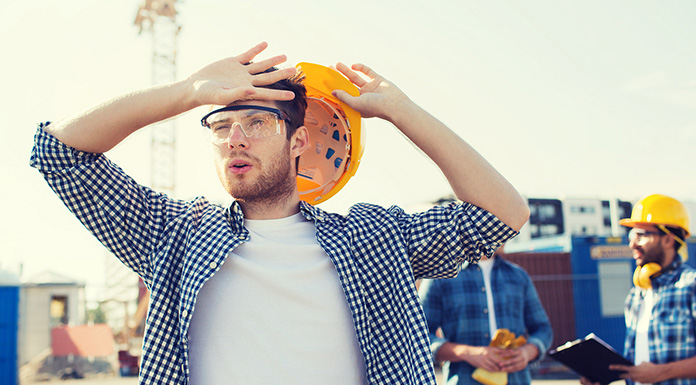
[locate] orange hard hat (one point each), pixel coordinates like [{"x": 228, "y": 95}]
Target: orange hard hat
[{"x": 336, "y": 141}]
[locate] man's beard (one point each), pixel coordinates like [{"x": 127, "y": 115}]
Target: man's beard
[
  {"x": 655, "y": 254},
  {"x": 273, "y": 186}
]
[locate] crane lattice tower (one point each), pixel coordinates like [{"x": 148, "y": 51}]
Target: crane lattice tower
[{"x": 158, "y": 17}]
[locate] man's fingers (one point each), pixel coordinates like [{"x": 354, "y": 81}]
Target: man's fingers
[
  {"x": 227, "y": 96},
  {"x": 256, "y": 68},
  {"x": 273, "y": 76},
  {"x": 269, "y": 94},
  {"x": 343, "y": 96},
  {"x": 623, "y": 368},
  {"x": 351, "y": 75},
  {"x": 249, "y": 55},
  {"x": 365, "y": 69}
]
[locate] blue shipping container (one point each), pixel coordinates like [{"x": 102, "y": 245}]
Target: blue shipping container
[
  {"x": 9, "y": 318},
  {"x": 602, "y": 269}
]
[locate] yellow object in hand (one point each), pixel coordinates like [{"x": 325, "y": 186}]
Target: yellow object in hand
[{"x": 503, "y": 339}]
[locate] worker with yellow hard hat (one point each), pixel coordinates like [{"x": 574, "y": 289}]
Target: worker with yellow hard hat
[
  {"x": 660, "y": 309},
  {"x": 662, "y": 218}
]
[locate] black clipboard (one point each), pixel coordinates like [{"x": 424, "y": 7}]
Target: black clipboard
[{"x": 590, "y": 357}]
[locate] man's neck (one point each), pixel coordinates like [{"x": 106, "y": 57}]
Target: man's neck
[
  {"x": 270, "y": 209},
  {"x": 670, "y": 255}
]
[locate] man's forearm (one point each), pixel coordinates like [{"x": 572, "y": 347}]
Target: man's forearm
[
  {"x": 450, "y": 351},
  {"x": 472, "y": 178},
  {"x": 104, "y": 126},
  {"x": 679, "y": 369}
]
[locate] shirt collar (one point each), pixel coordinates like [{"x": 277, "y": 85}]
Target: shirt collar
[
  {"x": 312, "y": 213},
  {"x": 668, "y": 273},
  {"x": 235, "y": 216}
]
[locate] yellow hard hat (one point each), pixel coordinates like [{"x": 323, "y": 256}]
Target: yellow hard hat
[
  {"x": 336, "y": 142},
  {"x": 659, "y": 209}
]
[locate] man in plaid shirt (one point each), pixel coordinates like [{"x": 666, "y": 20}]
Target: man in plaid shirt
[
  {"x": 661, "y": 308},
  {"x": 468, "y": 310},
  {"x": 271, "y": 289}
]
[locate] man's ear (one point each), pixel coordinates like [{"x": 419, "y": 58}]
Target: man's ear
[
  {"x": 669, "y": 240},
  {"x": 668, "y": 246},
  {"x": 299, "y": 142}
]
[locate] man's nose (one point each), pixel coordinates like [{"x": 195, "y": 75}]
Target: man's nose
[
  {"x": 633, "y": 243},
  {"x": 237, "y": 138}
]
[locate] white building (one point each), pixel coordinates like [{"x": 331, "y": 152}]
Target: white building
[
  {"x": 46, "y": 301},
  {"x": 552, "y": 222}
]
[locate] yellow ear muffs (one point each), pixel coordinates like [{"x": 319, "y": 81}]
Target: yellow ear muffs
[{"x": 642, "y": 274}]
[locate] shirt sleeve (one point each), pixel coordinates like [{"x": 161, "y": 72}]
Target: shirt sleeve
[
  {"x": 431, "y": 300},
  {"x": 536, "y": 320},
  {"x": 443, "y": 237},
  {"x": 125, "y": 217}
]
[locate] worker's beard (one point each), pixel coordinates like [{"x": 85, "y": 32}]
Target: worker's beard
[
  {"x": 274, "y": 186},
  {"x": 654, "y": 254}
]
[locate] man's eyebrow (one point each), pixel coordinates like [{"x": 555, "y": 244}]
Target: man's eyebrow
[
  {"x": 240, "y": 113},
  {"x": 254, "y": 111},
  {"x": 221, "y": 118}
]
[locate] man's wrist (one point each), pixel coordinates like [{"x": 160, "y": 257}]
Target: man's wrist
[
  {"x": 187, "y": 89},
  {"x": 401, "y": 111},
  {"x": 531, "y": 352}
]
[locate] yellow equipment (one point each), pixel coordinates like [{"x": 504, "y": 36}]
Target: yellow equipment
[
  {"x": 658, "y": 210},
  {"x": 503, "y": 339}
]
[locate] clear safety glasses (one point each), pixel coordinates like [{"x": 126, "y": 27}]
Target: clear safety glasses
[
  {"x": 640, "y": 236},
  {"x": 254, "y": 121}
]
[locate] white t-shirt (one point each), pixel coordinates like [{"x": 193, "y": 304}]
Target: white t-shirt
[
  {"x": 275, "y": 313},
  {"x": 486, "y": 268},
  {"x": 642, "y": 353}
]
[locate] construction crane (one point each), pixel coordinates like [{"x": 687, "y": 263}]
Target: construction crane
[{"x": 158, "y": 17}]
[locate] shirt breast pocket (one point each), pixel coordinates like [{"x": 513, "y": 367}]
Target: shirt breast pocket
[
  {"x": 673, "y": 325},
  {"x": 513, "y": 300},
  {"x": 674, "y": 316}
]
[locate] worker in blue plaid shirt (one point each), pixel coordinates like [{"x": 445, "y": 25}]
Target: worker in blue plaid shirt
[
  {"x": 467, "y": 310},
  {"x": 272, "y": 290},
  {"x": 661, "y": 307}
]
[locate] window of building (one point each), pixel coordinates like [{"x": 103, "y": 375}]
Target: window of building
[
  {"x": 606, "y": 213},
  {"x": 614, "y": 283},
  {"x": 59, "y": 310},
  {"x": 547, "y": 212},
  {"x": 582, "y": 209}
]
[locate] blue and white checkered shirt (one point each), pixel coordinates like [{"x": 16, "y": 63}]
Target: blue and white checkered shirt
[
  {"x": 672, "y": 330},
  {"x": 175, "y": 246}
]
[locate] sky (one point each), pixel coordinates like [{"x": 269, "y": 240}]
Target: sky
[{"x": 589, "y": 99}]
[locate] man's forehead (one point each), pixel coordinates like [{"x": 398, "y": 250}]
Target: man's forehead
[
  {"x": 252, "y": 103},
  {"x": 263, "y": 103},
  {"x": 642, "y": 227},
  {"x": 240, "y": 111}
]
